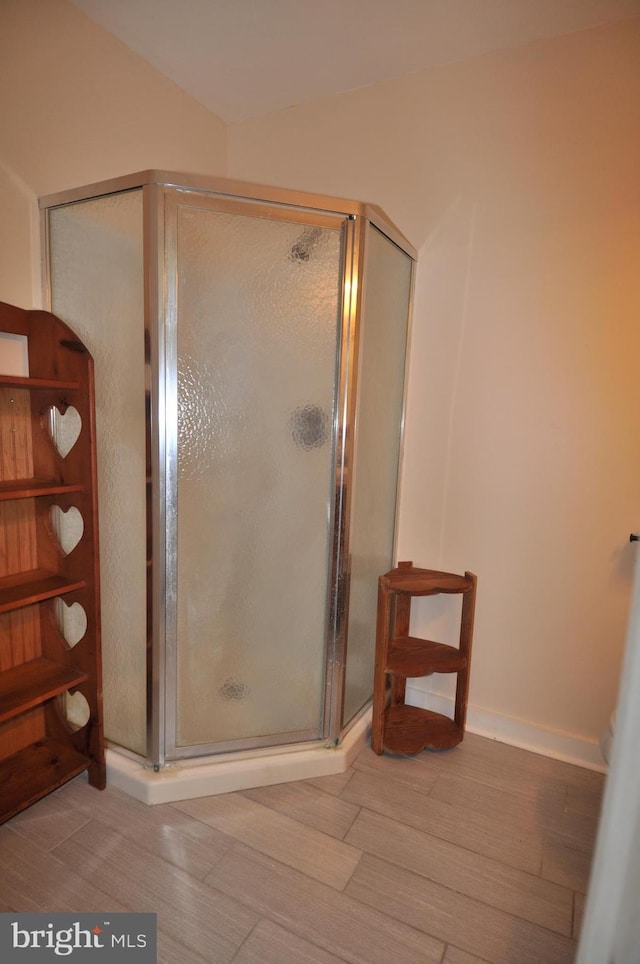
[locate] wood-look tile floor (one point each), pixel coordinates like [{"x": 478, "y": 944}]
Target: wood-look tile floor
[{"x": 477, "y": 854}]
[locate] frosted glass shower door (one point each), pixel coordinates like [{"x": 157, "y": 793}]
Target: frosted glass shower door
[
  {"x": 385, "y": 317},
  {"x": 257, "y": 295},
  {"x": 92, "y": 243}
]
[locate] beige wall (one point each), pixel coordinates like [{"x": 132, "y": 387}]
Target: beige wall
[
  {"x": 78, "y": 106},
  {"x": 517, "y": 177}
]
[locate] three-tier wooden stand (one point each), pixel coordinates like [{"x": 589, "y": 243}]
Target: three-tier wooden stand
[
  {"x": 399, "y": 656},
  {"x": 45, "y": 737}
]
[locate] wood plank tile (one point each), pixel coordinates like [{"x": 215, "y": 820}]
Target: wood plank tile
[
  {"x": 455, "y": 956},
  {"x": 489, "y": 881},
  {"x": 586, "y": 801},
  {"x": 421, "y": 815},
  {"x": 406, "y": 770},
  {"x": 171, "y": 951},
  {"x": 51, "y": 820},
  {"x": 578, "y": 914},
  {"x": 35, "y": 880},
  {"x": 461, "y": 826},
  {"x": 307, "y": 805},
  {"x": 316, "y": 854},
  {"x": 270, "y": 944},
  {"x": 334, "y": 783},
  {"x": 311, "y": 910},
  {"x": 209, "y": 923},
  {"x": 525, "y": 762},
  {"x": 469, "y": 924},
  {"x": 500, "y": 765},
  {"x": 565, "y": 866},
  {"x": 537, "y": 810},
  {"x": 534, "y": 809},
  {"x": 504, "y": 767},
  {"x": 575, "y": 830},
  {"x": 162, "y": 830}
]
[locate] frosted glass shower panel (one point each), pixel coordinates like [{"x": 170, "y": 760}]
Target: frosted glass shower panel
[
  {"x": 97, "y": 286},
  {"x": 388, "y": 273},
  {"x": 258, "y": 303}
]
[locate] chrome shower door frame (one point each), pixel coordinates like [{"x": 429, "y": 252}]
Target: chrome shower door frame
[{"x": 162, "y": 337}]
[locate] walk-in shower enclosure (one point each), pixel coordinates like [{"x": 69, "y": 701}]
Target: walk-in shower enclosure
[{"x": 250, "y": 349}]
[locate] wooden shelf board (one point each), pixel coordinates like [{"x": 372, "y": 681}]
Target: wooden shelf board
[
  {"x": 34, "y": 682},
  {"x": 409, "y": 656},
  {"x": 26, "y": 588},
  {"x": 426, "y": 582},
  {"x": 18, "y": 381},
  {"x": 31, "y": 773},
  {"x": 410, "y": 729},
  {"x": 32, "y": 488}
]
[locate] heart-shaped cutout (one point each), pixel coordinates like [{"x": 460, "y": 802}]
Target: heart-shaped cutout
[
  {"x": 75, "y": 710},
  {"x": 72, "y": 621},
  {"x": 68, "y": 527},
  {"x": 64, "y": 428}
]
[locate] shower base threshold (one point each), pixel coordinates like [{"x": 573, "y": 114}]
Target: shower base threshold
[{"x": 207, "y": 776}]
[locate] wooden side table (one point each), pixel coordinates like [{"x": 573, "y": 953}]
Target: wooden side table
[{"x": 399, "y": 656}]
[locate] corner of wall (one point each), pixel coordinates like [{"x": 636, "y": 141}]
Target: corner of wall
[{"x": 19, "y": 242}]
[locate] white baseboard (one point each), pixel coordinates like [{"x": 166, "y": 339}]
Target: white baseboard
[
  {"x": 206, "y": 776},
  {"x": 507, "y": 729}
]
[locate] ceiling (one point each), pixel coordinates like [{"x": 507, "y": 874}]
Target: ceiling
[{"x": 242, "y": 58}]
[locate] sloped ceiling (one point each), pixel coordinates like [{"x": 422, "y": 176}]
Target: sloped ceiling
[{"x": 242, "y": 58}]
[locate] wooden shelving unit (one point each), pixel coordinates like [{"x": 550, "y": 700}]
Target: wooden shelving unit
[
  {"x": 395, "y": 725},
  {"x": 42, "y": 745}
]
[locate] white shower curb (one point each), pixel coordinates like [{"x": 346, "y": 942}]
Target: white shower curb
[{"x": 207, "y": 776}]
